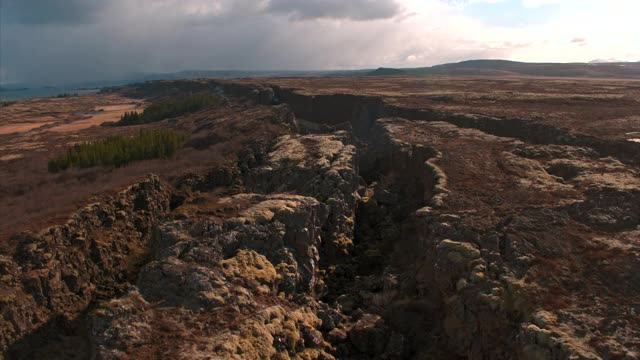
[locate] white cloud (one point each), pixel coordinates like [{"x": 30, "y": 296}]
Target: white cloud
[{"x": 539, "y": 3}]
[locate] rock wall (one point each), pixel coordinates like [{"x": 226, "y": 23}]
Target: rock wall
[
  {"x": 58, "y": 272},
  {"x": 219, "y": 286},
  {"x": 524, "y": 129}
]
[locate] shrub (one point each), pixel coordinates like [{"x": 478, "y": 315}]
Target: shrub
[
  {"x": 66, "y": 95},
  {"x": 118, "y": 151},
  {"x": 110, "y": 89},
  {"x": 168, "y": 109}
]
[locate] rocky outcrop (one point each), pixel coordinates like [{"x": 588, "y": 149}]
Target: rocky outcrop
[
  {"x": 233, "y": 273},
  {"x": 59, "y": 271},
  {"x": 609, "y": 209},
  {"x": 285, "y": 228},
  {"x": 479, "y": 306},
  {"x": 322, "y": 166},
  {"x": 612, "y": 198},
  {"x": 498, "y": 288},
  {"x": 524, "y": 129},
  {"x": 245, "y": 266}
]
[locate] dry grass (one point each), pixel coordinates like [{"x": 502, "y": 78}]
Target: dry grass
[
  {"x": 599, "y": 107},
  {"x": 31, "y": 198},
  {"x": 110, "y": 113},
  {"x": 22, "y": 127}
]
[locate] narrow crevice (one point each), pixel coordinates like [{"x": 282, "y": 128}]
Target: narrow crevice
[{"x": 362, "y": 112}]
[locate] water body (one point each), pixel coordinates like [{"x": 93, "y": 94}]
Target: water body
[
  {"x": 24, "y": 91},
  {"x": 39, "y": 92}
]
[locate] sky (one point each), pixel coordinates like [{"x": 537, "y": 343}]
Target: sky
[{"x": 58, "y": 41}]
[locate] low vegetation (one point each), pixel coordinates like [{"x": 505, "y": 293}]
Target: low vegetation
[
  {"x": 66, "y": 95},
  {"x": 170, "y": 108},
  {"x": 117, "y": 151},
  {"x": 110, "y": 89}
]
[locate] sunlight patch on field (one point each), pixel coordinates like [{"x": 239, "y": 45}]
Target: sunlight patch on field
[
  {"x": 100, "y": 115},
  {"x": 21, "y": 127},
  {"x": 11, "y": 157}
]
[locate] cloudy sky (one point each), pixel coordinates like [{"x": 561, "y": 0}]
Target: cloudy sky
[{"x": 54, "y": 41}]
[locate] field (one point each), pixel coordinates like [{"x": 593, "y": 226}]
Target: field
[
  {"x": 34, "y": 131},
  {"x": 605, "y": 108}
]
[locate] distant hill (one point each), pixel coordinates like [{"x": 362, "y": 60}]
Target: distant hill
[
  {"x": 387, "y": 71},
  {"x": 514, "y": 68},
  {"x": 596, "y": 69},
  {"x": 197, "y": 74}
]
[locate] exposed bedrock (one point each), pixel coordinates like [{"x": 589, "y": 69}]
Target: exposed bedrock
[
  {"x": 54, "y": 275},
  {"x": 221, "y": 286},
  {"x": 526, "y": 130},
  {"x": 359, "y": 112},
  {"x": 338, "y": 110},
  {"x": 245, "y": 268},
  {"x": 322, "y": 166},
  {"x": 503, "y": 285}
]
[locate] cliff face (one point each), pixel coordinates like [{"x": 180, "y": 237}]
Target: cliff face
[
  {"x": 354, "y": 236},
  {"x": 58, "y": 272},
  {"x": 218, "y": 285},
  {"x": 245, "y": 267}
]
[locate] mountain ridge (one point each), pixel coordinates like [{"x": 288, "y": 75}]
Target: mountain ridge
[{"x": 488, "y": 67}]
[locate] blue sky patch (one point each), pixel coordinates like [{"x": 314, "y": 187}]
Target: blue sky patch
[{"x": 510, "y": 13}]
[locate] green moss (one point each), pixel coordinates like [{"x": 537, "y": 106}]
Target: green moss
[
  {"x": 373, "y": 253},
  {"x": 343, "y": 243},
  {"x": 254, "y": 268}
]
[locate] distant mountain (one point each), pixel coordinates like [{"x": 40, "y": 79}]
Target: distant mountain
[
  {"x": 196, "y": 74},
  {"x": 514, "y": 68}
]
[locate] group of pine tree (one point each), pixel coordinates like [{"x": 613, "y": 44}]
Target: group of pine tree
[
  {"x": 117, "y": 151},
  {"x": 66, "y": 95},
  {"x": 170, "y": 108}
]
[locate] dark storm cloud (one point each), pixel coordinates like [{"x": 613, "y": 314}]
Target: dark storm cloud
[
  {"x": 55, "y": 41},
  {"x": 336, "y": 9},
  {"x": 39, "y": 12}
]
